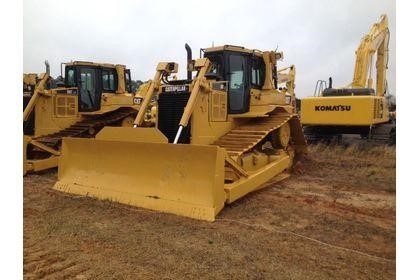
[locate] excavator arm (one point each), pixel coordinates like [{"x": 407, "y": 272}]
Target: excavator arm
[{"x": 376, "y": 41}]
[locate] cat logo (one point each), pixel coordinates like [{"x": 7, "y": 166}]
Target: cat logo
[{"x": 137, "y": 100}]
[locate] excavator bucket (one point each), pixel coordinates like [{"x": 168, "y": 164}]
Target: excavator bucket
[{"x": 118, "y": 165}]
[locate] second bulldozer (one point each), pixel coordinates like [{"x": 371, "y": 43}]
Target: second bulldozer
[
  {"x": 218, "y": 136},
  {"x": 90, "y": 96}
]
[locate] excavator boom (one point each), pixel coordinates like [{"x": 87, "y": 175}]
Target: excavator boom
[{"x": 376, "y": 41}]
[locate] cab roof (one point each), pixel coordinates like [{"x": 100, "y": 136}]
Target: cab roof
[
  {"x": 233, "y": 49},
  {"x": 89, "y": 63}
]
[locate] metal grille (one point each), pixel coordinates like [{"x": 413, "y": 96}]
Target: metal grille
[
  {"x": 218, "y": 106},
  {"x": 376, "y": 109},
  {"x": 171, "y": 108},
  {"x": 65, "y": 105}
]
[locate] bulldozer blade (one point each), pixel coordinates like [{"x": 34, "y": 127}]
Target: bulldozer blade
[{"x": 186, "y": 180}]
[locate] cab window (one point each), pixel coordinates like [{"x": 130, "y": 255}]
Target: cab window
[
  {"x": 70, "y": 79},
  {"x": 127, "y": 77},
  {"x": 257, "y": 72},
  {"x": 238, "y": 99},
  {"x": 216, "y": 69},
  {"x": 216, "y": 64},
  {"x": 237, "y": 69},
  {"x": 109, "y": 80}
]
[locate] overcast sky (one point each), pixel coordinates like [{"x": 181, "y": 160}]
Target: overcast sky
[{"x": 318, "y": 37}]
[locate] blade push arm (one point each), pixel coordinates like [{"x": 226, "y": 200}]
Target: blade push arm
[
  {"x": 203, "y": 65},
  {"x": 162, "y": 68},
  {"x": 38, "y": 89}
]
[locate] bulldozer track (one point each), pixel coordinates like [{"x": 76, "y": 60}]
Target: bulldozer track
[
  {"x": 85, "y": 128},
  {"x": 245, "y": 137}
]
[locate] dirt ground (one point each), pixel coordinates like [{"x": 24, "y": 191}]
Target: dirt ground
[{"x": 334, "y": 218}]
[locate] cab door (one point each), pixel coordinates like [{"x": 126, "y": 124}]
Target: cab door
[
  {"x": 89, "y": 88},
  {"x": 239, "y": 90}
]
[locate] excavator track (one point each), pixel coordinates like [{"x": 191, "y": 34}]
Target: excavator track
[
  {"x": 244, "y": 138},
  {"x": 85, "y": 128},
  {"x": 314, "y": 136},
  {"x": 381, "y": 134},
  {"x": 384, "y": 134}
]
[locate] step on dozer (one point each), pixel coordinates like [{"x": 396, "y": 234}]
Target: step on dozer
[{"x": 217, "y": 137}]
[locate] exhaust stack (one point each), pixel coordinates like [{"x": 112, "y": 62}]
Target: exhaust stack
[{"x": 189, "y": 59}]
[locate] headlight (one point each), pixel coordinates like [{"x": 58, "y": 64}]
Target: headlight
[{"x": 288, "y": 98}]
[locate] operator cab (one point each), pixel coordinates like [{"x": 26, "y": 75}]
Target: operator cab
[
  {"x": 242, "y": 68},
  {"x": 92, "y": 80}
]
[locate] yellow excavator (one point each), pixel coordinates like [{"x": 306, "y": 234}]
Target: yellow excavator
[
  {"x": 91, "y": 96},
  {"x": 357, "y": 108},
  {"x": 218, "y": 136}
]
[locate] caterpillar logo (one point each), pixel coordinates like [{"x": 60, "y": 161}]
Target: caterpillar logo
[
  {"x": 333, "y": 108},
  {"x": 137, "y": 100}
]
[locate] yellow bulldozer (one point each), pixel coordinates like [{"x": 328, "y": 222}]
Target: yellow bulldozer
[
  {"x": 218, "y": 136},
  {"x": 357, "y": 108},
  {"x": 91, "y": 96}
]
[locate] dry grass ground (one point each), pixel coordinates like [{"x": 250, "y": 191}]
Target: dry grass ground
[{"x": 334, "y": 218}]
